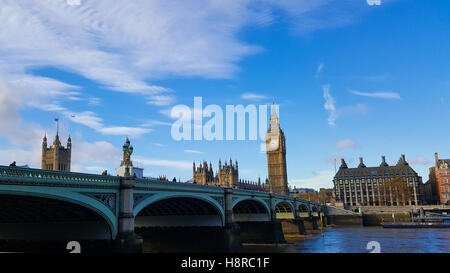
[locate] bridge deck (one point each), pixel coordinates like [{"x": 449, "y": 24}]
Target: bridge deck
[{"x": 18, "y": 175}]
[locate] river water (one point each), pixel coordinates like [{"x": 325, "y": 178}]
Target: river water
[
  {"x": 332, "y": 240},
  {"x": 356, "y": 239}
]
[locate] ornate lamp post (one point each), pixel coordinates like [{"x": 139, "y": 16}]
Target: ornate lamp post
[{"x": 127, "y": 151}]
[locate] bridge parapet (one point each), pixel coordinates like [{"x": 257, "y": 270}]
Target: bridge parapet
[
  {"x": 38, "y": 175},
  {"x": 154, "y": 184}
]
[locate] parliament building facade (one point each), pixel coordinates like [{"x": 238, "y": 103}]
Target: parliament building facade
[{"x": 56, "y": 157}]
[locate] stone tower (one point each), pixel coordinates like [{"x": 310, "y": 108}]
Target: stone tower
[
  {"x": 276, "y": 156},
  {"x": 203, "y": 174},
  {"x": 56, "y": 157},
  {"x": 228, "y": 174}
]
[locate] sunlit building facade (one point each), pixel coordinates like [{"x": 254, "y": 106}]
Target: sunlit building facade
[{"x": 362, "y": 186}]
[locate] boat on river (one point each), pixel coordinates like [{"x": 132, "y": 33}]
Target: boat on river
[{"x": 416, "y": 225}]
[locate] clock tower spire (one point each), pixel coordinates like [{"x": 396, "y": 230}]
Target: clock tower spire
[{"x": 276, "y": 156}]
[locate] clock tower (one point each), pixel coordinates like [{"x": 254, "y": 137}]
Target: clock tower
[{"x": 276, "y": 156}]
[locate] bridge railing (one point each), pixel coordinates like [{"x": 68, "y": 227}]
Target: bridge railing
[
  {"x": 18, "y": 173},
  {"x": 153, "y": 182}
]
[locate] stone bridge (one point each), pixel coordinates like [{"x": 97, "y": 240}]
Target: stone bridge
[{"x": 54, "y": 205}]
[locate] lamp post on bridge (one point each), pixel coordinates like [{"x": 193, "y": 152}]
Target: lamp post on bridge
[
  {"x": 128, "y": 240},
  {"x": 127, "y": 152}
]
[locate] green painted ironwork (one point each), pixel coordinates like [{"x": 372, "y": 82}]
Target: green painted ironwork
[{"x": 14, "y": 173}]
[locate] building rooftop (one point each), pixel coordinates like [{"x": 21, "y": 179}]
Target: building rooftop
[{"x": 402, "y": 167}]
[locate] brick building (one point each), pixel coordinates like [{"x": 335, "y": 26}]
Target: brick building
[{"x": 442, "y": 173}]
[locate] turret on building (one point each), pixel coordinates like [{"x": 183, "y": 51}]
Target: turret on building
[{"x": 56, "y": 157}]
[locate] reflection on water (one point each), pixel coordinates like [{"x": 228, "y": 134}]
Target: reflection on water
[{"x": 354, "y": 240}]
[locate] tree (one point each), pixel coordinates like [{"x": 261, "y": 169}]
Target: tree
[
  {"x": 324, "y": 196},
  {"x": 310, "y": 196},
  {"x": 394, "y": 190}
]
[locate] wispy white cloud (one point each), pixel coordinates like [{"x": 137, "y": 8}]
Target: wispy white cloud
[
  {"x": 345, "y": 143},
  {"x": 17, "y": 131},
  {"x": 94, "y": 101},
  {"x": 150, "y": 123},
  {"x": 380, "y": 95},
  {"x": 161, "y": 100},
  {"x": 91, "y": 120},
  {"x": 335, "y": 113},
  {"x": 193, "y": 152},
  {"x": 114, "y": 44},
  {"x": 253, "y": 96},
  {"x": 96, "y": 152},
  {"x": 329, "y": 105},
  {"x": 319, "y": 68},
  {"x": 124, "y": 131}
]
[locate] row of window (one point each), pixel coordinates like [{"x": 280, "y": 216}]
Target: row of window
[
  {"x": 376, "y": 176},
  {"x": 368, "y": 180}
]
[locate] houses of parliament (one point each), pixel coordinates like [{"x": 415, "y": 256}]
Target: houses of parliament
[
  {"x": 57, "y": 157},
  {"x": 228, "y": 174}
]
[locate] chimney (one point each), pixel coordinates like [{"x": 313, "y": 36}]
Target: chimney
[
  {"x": 403, "y": 157},
  {"x": 361, "y": 163},
  {"x": 383, "y": 162},
  {"x": 436, "y": 158},
  {"x": 343, "y": 164}
]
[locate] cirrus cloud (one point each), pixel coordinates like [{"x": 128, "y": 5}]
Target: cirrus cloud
[
  {"x": 345, "y": 143},
  {"x": 380, "y": 95}
]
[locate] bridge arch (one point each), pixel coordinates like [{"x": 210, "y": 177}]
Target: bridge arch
[
  {"x": 303, "y": 208},
  {"x": 63, "y": 200},
  {"x": 172, "y": 210},
  {"x": 284, "y": 210},
  {"x": 250, "y": 210}
]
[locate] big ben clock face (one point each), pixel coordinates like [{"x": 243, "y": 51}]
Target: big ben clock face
[{"x": 272, "y": 144}]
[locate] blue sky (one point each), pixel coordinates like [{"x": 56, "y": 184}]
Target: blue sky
[{"x": 351, "y": 80}]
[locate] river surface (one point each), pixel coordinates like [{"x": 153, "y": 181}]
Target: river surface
[
  {"x": 356, "y": 239},
  {"x": 332, "y": 240}
]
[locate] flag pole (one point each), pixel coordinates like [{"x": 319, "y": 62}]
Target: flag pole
[{"x": 57, "y": 126}]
